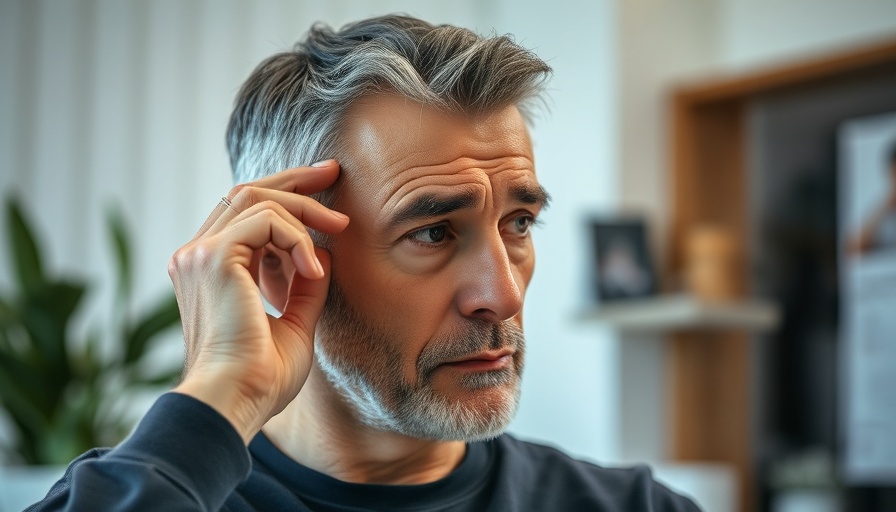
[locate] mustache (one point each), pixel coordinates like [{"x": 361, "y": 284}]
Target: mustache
[{"x": 473, "y": 338}]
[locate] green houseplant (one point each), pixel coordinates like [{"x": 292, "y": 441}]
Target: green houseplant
[{"x": 58, "y": 393}]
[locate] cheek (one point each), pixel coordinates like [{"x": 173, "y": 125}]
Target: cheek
[
  {"x": 523, "y": 260},
  {"x": 412, "y": 307},
  {"x": 391, "y": 288},
  {"x": 409, "y": 309}
]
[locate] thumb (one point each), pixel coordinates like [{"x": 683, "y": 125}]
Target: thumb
[{"x": 307, "y": 296}]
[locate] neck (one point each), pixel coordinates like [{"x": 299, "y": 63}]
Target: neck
[{"x": 320, "y": 430}]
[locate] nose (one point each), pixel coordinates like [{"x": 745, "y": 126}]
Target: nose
[{"x": 492, "y": 286}]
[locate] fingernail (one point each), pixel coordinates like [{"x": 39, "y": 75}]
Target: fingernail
[
  {"x": 324, "y": 163},
  {"x": 338, "y": 215}
]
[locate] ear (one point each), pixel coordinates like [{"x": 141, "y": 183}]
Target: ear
[{"x": 275, "y": 272}]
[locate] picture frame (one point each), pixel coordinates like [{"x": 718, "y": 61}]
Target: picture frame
[{"x": 622, "y": 261}]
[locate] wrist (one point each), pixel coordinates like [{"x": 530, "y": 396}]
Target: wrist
[{"x": 242, "y": 413}]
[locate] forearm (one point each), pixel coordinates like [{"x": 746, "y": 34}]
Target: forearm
[{"x": 182, "y": 456}]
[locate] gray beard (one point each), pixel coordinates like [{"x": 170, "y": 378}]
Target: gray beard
[{"x": 362, "y": 365}]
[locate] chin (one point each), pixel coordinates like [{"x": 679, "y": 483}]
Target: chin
[{"x": 462, "y": 415}]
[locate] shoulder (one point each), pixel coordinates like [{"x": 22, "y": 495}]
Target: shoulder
[
  {"x": 182, "y": 455},
  {"x": 554, "y": 477}
]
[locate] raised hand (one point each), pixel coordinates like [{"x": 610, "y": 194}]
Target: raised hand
[{"x": 247, "y": 364}]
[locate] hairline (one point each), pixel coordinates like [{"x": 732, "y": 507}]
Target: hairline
[{"x": 265, "y": 137}]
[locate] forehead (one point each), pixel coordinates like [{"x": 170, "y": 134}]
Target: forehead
[{"x": 395, "y": 146}]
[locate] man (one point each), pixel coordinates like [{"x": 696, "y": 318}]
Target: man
[
  {"x": 879, "y": 229},
  {"x": 396, "y": 397}
]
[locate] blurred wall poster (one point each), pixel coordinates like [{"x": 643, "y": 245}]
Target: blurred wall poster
[{"x": 867, "y": 230}]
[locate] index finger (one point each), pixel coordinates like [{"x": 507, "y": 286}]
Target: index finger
[{"x": 302, "y": 180}]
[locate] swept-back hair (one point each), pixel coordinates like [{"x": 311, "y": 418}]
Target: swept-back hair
[{"x": 289, "y": 111}]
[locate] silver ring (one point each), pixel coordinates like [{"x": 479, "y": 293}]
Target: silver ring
[{"x": 226, "y": 202}]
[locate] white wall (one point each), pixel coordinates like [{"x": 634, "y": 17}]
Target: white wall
[{"x": 762, "y": 32}]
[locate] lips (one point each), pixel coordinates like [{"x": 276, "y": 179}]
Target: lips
[{"x": 483, "y": 361}]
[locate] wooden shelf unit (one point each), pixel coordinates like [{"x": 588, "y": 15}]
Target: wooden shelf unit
[{"x": 710, "y": 370}]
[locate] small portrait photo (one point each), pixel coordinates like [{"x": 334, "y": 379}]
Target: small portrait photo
[{"x": 623, "y": 267}]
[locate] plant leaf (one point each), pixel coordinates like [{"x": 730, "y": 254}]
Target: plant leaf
[
  {"x": 23, "y": 247},
  {"x": 9, "y": 318},
  {"x": 72, "y": 431},
  {"x": 122, "y": 249},
  {"x": 45, "y": 314},
  {"x": 164, "y": 315},
  {"x": 19, "y": 394}
]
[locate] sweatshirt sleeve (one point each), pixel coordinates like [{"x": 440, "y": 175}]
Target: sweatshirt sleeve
[{"x": 183, "y": 455}]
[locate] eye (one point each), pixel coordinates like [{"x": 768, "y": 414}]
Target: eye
[
  {"x": 521, "y": 225},
  {"x": 432, "y": 235}
]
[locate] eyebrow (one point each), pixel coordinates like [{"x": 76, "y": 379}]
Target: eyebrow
[
  {"x": 529, "y": 194},
  {"x": 432, "y": 205}
]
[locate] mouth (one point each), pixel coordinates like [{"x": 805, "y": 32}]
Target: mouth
[{"x": 488, "y": 361}]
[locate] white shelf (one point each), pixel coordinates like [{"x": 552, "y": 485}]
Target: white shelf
[{"x": 684, "y": 312}]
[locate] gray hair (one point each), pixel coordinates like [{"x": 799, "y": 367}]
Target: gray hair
[{"x": 289, "y": 111}]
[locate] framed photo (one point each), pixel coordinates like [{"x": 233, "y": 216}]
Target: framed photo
[{"x": 623, "y": 267}]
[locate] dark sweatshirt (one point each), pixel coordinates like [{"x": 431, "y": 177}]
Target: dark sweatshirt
[{"x": 185, "y": 456}]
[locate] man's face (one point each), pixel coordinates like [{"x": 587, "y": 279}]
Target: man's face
[{"x": 422, "y": 332}]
